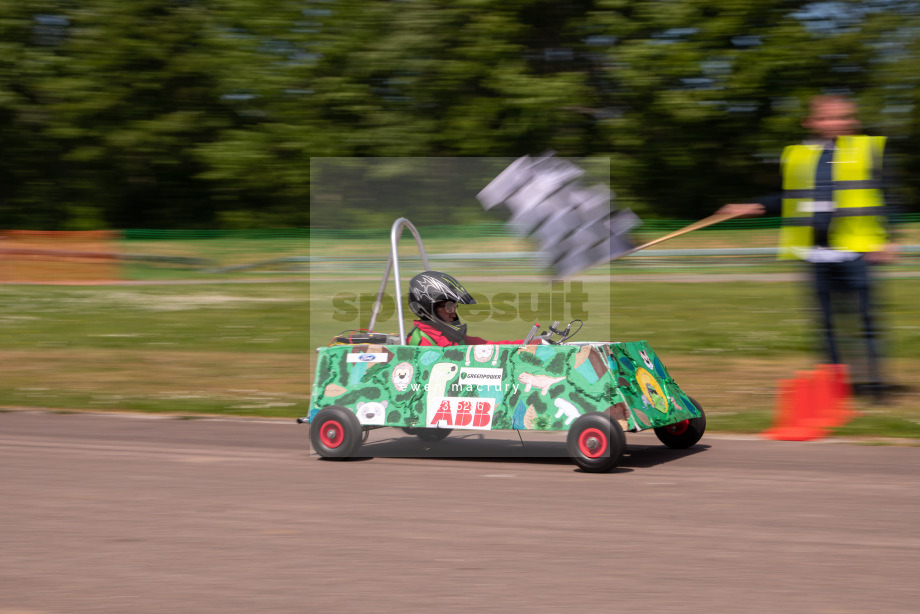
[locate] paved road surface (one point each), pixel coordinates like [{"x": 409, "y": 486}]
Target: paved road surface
[{"x": 134, "y": 514}]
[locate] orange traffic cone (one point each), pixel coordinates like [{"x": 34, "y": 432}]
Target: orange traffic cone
[{"x": 800, "y": 411}]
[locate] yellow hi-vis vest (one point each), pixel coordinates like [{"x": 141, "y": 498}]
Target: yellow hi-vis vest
[{"x": 857, "y": 224}]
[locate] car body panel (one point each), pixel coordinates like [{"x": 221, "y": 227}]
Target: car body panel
[{"x": 492, "y": 387}]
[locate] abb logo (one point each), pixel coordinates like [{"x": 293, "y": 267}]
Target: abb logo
[{"x": 461, "y": 413}]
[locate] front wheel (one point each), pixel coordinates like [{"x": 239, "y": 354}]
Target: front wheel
[
  {"x": 596, "y": 442},
  {"x": 683, "y": 434},
  {"x": 335, "y": 432}
]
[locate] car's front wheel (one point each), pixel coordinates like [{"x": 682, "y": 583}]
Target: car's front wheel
[{"x": 683, "y": 434}]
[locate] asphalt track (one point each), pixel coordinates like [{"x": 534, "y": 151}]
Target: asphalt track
[{"x": 136, "y": 514}]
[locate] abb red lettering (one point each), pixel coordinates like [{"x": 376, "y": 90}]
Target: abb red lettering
[
  {"x": 460, "y": 412},
  {"x": 464, "y": 413}
]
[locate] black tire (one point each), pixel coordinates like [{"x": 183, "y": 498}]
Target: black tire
[
  {"x": 596, "y": 442},
  {"x": 335, "y": 432},
  {"x": 684, "y": 434},
  {"x": 427, "y": 434}
]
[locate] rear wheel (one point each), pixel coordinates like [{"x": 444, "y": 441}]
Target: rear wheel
[
  {"x": 596, "y": 442},
  {"x": 683, "y": 434},
  {"x": 335, "y": 432}
]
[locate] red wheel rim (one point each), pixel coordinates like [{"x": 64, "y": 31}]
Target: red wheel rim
[
  {"x": 331, "y": 433},
  {"x": 592, "y": 442},
  {"x": 678, "y": 428}
]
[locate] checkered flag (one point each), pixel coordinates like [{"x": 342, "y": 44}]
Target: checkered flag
[{"x": 573, "y": 224}]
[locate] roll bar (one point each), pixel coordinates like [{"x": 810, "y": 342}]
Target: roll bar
[{"x": 393, "y": 265}]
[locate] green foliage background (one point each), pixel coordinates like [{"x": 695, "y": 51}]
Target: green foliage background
[{"x": 206, "y": 113}]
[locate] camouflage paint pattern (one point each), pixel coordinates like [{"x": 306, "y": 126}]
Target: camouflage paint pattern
[{"x": 535, "y": 387}]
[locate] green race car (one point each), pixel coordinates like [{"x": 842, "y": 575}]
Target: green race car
[{"x": 597, "y": 391}]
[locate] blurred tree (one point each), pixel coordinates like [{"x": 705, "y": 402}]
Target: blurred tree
[
  {"x": 204, "y": 113},
  {"x": 260, "y": 165},
  {"x": 435, "y": 78},
  {"x": 892, "y": 102},
  {"x": 693, "y": 102},
  {"x": 703, "y": 97},
  {"x": 30, "y": 37},
  {"x": 137, "y": 94},
  {"x": 117, "y": 96}
]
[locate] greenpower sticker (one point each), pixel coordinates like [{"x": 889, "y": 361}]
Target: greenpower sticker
[{"x": 470, "y": 376}]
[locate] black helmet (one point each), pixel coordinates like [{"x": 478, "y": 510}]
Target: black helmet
[{"x": 428, "y": 289}]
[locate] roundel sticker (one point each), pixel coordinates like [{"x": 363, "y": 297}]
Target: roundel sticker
[{"x": 652, "y": 390}]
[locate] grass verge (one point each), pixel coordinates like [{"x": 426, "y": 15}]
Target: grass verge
[{"x": 246, "y": 349}]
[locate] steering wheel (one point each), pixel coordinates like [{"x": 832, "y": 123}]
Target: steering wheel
[
  {"x": 547, "y": 337},
  {"x": 566, "y": 335}
]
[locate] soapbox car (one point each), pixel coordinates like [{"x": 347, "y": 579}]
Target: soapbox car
[{"x": 596, "y": 391}]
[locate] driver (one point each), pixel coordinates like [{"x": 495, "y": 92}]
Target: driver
[{"x": 433, "y": 297}]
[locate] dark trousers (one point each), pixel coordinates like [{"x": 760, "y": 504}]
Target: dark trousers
[{"x": 845, "y": 297}]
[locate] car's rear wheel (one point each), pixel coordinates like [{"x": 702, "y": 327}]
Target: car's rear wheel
[
  {"x": 596, "y": 442},
  {"x": 335, "y": 432}
]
